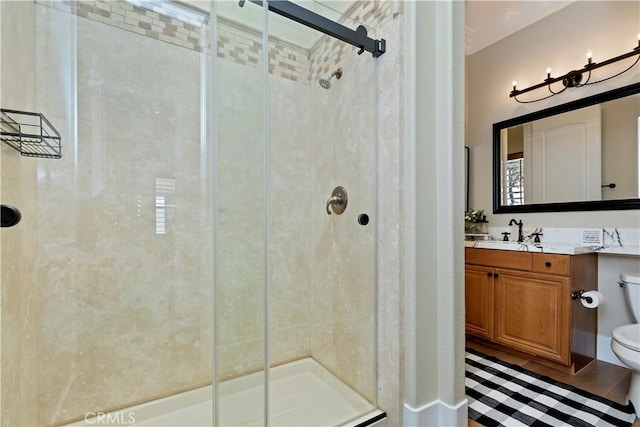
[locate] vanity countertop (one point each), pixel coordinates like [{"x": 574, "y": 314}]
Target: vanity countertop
[
  {"x": 547, "y": 248},
  {"x": 615, "y": 241},
  {"x": 617, "y": 250},
  {"x": 552, "y": 248}
]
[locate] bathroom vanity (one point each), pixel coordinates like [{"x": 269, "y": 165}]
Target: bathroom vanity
[{"x": 522, "y": 301}]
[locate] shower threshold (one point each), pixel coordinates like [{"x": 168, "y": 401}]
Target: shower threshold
[{"x": 302, "y": 393}]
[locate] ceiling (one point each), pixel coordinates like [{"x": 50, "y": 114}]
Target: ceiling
[{"x": 489, "y": 21}]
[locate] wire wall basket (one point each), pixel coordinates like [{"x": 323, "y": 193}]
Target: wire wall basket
[{"x": 30, "y": 134}]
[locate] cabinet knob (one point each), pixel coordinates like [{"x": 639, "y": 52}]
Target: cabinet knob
[
  {"x": 495, "y": 275},
  {"x": 548, "y": 264},
  {"x": 489, "y": 274}
]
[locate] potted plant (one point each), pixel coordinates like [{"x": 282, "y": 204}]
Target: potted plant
[{"x": 475, "y": 222}]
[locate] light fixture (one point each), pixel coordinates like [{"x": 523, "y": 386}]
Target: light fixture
[{"x": 574, "y": 77}]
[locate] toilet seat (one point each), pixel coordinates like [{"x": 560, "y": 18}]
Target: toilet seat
[{"x": 628, "y": 336}]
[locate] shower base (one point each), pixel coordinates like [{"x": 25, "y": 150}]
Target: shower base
[{"x": 302, "y": 393}]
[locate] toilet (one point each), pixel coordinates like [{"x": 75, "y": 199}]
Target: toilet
[{"x": 625, "y": 340}]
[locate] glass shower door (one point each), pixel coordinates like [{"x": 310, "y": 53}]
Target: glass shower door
[
  {"x": 322, "y": 271},
  {"x": 240, "y": 233},
  {"x": 295, "y": 286},
  {"x": 107, "y": 280}
]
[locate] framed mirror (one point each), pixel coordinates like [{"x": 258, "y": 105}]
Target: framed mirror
[
  {"x": 578, "y": 156},
  {"x": 466, "y": 178}
]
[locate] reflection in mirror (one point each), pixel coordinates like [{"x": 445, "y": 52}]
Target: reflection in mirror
[{"x": 578, "y": 156}]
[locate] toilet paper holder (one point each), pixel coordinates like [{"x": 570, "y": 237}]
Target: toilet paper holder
[{"x": 578, "y": 294}]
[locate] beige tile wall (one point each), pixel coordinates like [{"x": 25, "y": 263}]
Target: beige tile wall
[
  {"x": 18, "y": 281},
  {"x": 119, "y": 313},
  {"x": 189, "y": 29},
  {"x": 327, "y": 52},
  {"x": 177, "y": 26}
]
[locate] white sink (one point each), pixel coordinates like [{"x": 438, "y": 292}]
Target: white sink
[{"x": 548, "y": 248}]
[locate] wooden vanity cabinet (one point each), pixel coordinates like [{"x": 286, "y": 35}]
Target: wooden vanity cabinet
[
  {"x": 478, "y": 296},
  {"x": 522, "y": 301}
]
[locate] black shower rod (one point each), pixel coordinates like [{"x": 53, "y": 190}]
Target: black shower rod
[{"x": 357, "y": 38}]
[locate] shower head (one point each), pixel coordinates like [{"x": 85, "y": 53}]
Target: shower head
[{"x": 325, "y": 81}]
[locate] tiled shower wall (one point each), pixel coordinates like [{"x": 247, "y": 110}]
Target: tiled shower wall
[
  {"x": 154, "y": 20},
  {"x": 236, "y": 42},
  {"x": 243, "y": 45},
  {"x": 123, "y": 303},
  {"x": 327, "y": 52}
]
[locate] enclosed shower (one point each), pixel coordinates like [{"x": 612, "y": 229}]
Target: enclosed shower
[{"x": 203, "y": 251}]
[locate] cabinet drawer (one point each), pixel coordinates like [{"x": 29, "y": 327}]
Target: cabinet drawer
[
  {"x": 551, "y": 264},
  {"x": 497, "y": 258}
]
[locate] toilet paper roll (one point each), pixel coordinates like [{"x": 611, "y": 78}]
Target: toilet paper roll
[{"x": 595, "y": 297}]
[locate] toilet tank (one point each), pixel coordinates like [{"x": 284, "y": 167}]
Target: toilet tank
[{"x": 632, "y": 284}]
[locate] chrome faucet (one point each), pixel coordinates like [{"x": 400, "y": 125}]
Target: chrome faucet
[{"x": 519, "y": 224}]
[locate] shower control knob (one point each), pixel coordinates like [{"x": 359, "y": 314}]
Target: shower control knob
[
  {"x": 363, "y": 219},
  {"x": 338, "y": 201}
]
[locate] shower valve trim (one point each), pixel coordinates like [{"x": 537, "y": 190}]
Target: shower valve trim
[{"x": 338, "y": 201}]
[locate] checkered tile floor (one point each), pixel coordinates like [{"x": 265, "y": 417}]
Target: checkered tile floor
[{"x": 501, "y": 394}]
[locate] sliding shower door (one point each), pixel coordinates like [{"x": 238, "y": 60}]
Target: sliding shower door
[
  {"x": 107, "y": 295},
  {"x": 240, "y": 234},
  {"x": 295, "y": 284},
  {"x": 321, "y": 278}
]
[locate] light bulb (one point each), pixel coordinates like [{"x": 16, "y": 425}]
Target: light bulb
[
  {"x": 589, "y": 55},
  {"x": 514, "y": 83},
  {"x": 548, "y": 72},
  {"x": 638, "y": 39}
]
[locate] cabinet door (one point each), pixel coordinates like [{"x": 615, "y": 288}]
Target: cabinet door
[
  {"x": 478, "y": 300},
  {"x": 532, "y": 313}
]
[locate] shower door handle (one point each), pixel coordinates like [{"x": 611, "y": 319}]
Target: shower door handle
[{"x": 337, "y": 201}]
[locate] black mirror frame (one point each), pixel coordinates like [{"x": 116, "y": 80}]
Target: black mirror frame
[
  {"x": 467, "y": 162},
  {"x": 596, "y": 205}
]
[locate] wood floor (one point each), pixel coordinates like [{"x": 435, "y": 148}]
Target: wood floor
[{"x": 601, "y": 378}]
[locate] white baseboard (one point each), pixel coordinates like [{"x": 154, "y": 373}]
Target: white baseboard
[
  {"x": 605, "y": 353},
  {"x": 436, "y": 413}
]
